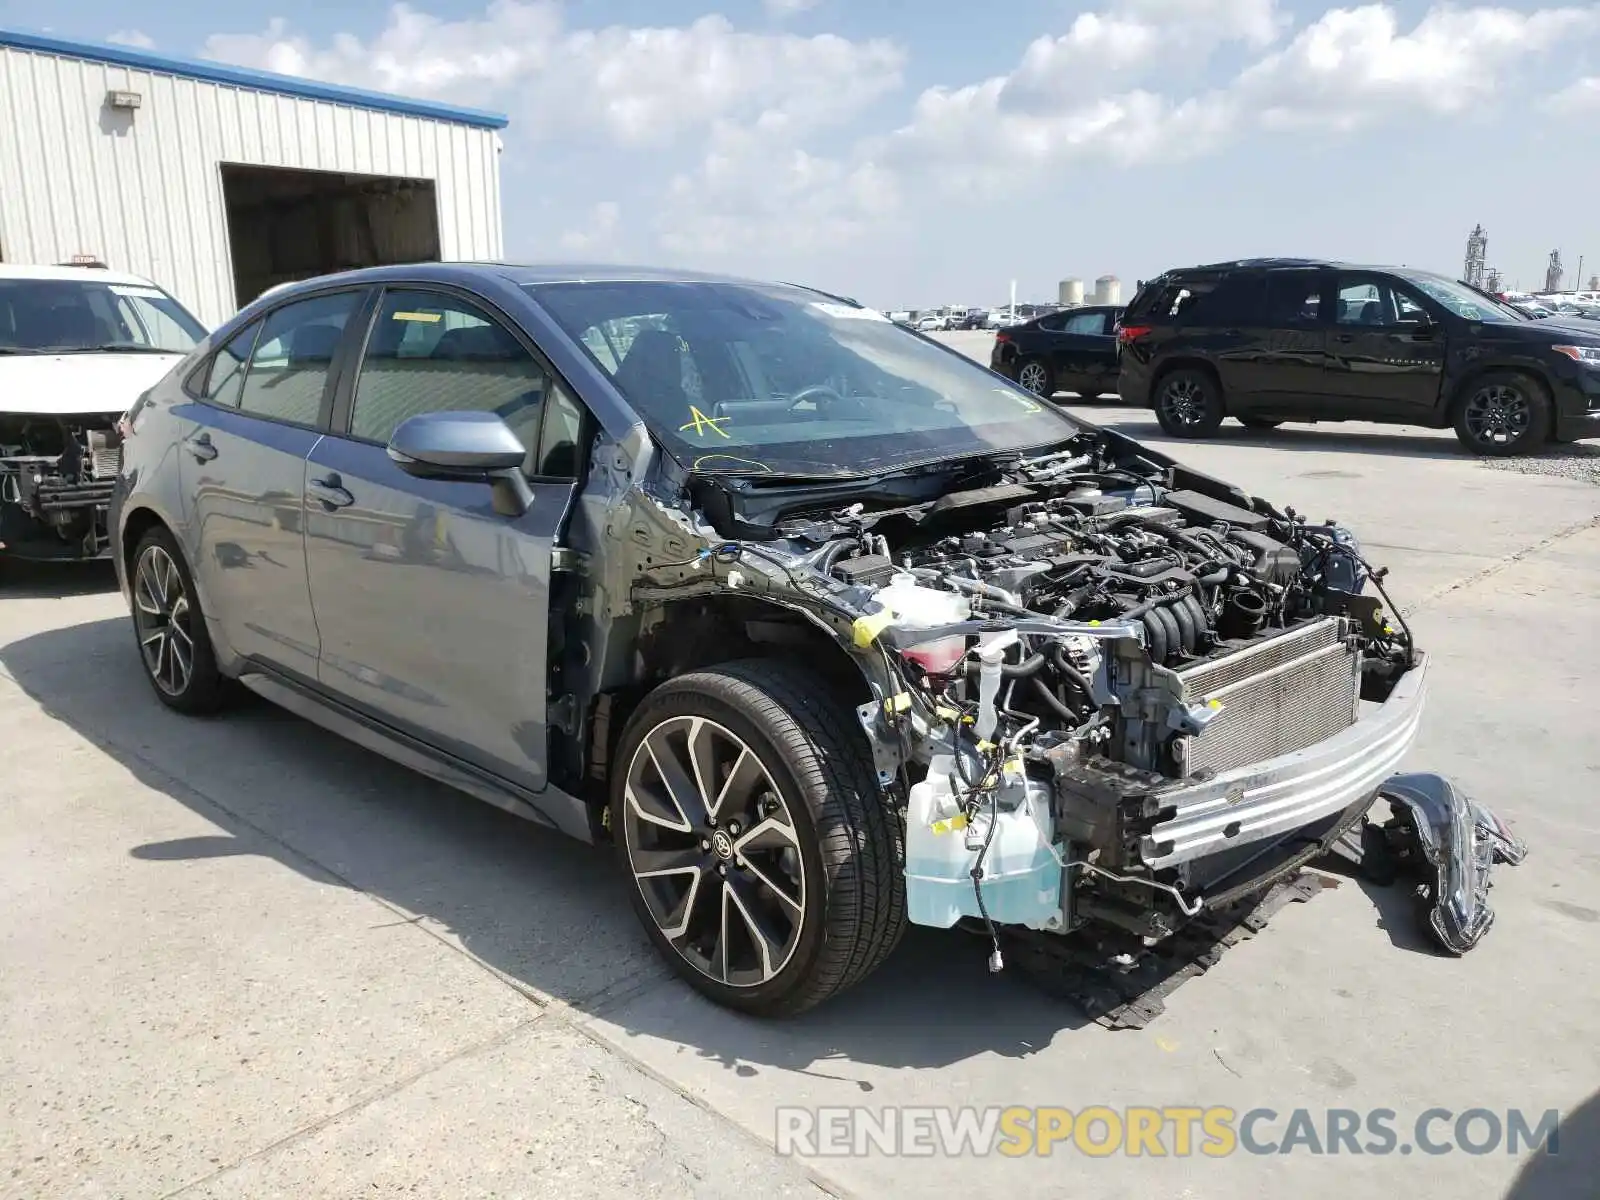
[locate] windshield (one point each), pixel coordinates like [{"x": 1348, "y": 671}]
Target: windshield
[
  {"x": 1464, "y": 301},
  {"x": 55, "y": 316},
  {"x": 745, "y": 378}
]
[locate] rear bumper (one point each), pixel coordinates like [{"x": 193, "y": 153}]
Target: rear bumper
[{"x": 1270, "y": 799}]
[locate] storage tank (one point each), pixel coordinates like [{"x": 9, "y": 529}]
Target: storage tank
[
  {"x": 1070, "y": 292},
  {"x": 1108, "y": 290}
]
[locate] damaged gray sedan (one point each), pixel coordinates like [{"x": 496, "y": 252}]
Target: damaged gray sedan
[{"x": 826, "y": 627}]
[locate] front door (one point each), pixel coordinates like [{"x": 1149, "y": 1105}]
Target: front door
[
  {"x": 1385, "y": 352},
  {"x": 242, "y": 462},
  {"x": 1085, "y": 353},
  {"x": 433, "y": 609}
]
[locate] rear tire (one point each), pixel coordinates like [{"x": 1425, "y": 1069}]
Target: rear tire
[
  {"x": 1503, "y": 413},
  {"x": 1188, "y": 403},
  {"x": 762, "y": 858},
  {"x": 1035, "y": 375},
  {"x": 170, "y": 628}
]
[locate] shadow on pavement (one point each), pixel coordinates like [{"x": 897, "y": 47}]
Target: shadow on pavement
[
  {"x": 1572, "y": 1172},
  {"x": 1309, "y": 437},
  {"x": 55, "y": 580},
  {"x": 548, "y": 914}
]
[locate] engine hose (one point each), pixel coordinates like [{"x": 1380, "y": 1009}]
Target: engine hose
[
  {"x": 1022, "y": 670},
  {"x": 1053, "y": 701},
  {"x": 1058, "y": 658},
  {"x": 1169, "y": 626},
  {"x": 1160, "y": 530},
  {"x": 831, "y": 555},
  {"x": 1197, "y": 613}
]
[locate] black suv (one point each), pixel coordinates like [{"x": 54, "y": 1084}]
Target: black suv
[{"x": 1274, "y": 340}]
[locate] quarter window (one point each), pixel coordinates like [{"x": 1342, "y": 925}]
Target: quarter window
[
  {"x": 225, "y": 376},
  {"x": 434, "y": 353},
  {"x": 292, "y": 361}
]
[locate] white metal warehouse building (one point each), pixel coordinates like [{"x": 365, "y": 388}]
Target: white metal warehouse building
[{"x": 219, "y": 182}]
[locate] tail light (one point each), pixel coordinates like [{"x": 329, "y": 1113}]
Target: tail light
[
  {"x": 1002, "y": 336},
  {"x": 1132, "y": 333}
]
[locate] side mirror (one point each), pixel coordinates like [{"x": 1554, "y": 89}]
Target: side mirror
[{"x": 468, "y": 446}]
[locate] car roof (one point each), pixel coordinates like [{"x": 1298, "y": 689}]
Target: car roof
[
  {"x": 86, "y": 274},
  {"x": 1290, "y": 264},
  {"x": 534, "y": 273}
]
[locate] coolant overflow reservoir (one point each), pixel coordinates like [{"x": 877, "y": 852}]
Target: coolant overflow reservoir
[{"x": 910, "y": 606}]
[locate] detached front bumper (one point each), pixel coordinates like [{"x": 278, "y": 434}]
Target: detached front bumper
[{"x": 1269, "y": 799}]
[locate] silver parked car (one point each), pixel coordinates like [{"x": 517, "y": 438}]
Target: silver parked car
[{"x": 825, "y": 626}]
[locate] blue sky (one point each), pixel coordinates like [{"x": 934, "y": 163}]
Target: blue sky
[{"x": 924, "y": 153}]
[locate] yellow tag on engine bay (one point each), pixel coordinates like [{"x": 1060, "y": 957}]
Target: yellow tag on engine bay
[
  {"x": 950, "y": 824},
  {"x": 866, "y": 629}
]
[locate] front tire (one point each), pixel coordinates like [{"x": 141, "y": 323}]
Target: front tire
[
  {"x": 1189, "y": 404},
  {"x": 1503, "y": 413},
  {"x": 174, "y": 644},
  {"x": 764, "y": 862}
]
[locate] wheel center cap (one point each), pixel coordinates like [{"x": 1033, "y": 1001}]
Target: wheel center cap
[{"x": 722, "y": 844}]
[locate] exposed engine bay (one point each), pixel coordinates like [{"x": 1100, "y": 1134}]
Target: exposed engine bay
[
  {"x": 56, "y": 479},
  {"x": 1128, "y": 691}
]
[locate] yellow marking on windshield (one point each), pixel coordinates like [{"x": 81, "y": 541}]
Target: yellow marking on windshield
[
  {"x": 426, "y": 317},
  {"x": 1022, "y": 400},
  {"x": 738, "y": 463},
  {"x": 699, "y": 422}
]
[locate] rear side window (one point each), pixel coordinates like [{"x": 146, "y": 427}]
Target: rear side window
[
  {"x": 293, "y": 358},
  {"x": 1293, "y": 298},
  {"x": 1092, "y": 322}
]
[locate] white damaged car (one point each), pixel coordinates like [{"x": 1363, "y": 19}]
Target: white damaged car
[{"x": 78, "y": 345}]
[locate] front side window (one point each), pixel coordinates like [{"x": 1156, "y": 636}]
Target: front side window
[
  {"x": 71, "y": 316},
  {"x": 431, "y": 352},
  {"x": 293, "y": 358},
  {"x": 748, "y": 378},
  {"x": 1376, "y": 303}
]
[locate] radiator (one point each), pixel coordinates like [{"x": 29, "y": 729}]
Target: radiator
[{"x": 1280, "y": 695}]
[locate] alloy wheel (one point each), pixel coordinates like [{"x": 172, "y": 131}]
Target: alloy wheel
[
  {"x": 1183, "y": 401},
  {"x": 163, "y": 616},
  {"x": 1498, "y": 415},
  {"x": 712, "y": 846},
  {"x": 1032, "y": 377}
]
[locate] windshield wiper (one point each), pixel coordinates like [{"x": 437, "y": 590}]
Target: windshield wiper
[{"x": 111, "y": 348}]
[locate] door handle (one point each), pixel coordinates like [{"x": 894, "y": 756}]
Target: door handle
[
  {"x": 1344, "y": 337},
  {"x": 330, "y": 492},
  {"x": 200, "y": 446}
]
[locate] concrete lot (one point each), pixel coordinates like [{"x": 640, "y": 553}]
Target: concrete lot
[{"x": 242, "y": 958}]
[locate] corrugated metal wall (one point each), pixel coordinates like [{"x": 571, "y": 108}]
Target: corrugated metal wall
[{"x": 142, "y": 190}]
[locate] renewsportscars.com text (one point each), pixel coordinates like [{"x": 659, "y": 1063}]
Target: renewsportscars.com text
[{"x": 1169, "y": 1131}]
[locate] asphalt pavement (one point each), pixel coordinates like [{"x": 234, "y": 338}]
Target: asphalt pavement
[{"x": 243, "y": 958}]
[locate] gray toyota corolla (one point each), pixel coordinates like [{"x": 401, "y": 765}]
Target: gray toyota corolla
[{"x": 826, "y": 627}]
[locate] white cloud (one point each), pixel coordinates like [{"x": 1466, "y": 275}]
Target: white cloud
[
  {"x": 637, "y": 85},
  {"x": 1579, "y": 99},
  {"x": 132, "y": 37},
  {"x": 597, "y": 238},
  {"x": 1356, "y": 65}
]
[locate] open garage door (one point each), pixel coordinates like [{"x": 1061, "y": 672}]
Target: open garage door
[{"x": 287, "y": 224}]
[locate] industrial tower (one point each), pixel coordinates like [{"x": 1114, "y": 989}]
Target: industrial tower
[
  {"x": 1477, "y": 252},
  {"x": 1553, "y": 273}
]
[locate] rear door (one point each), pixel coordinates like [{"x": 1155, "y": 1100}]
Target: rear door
[
  {"x": 1276, "y": 364},
  {"x": 1385, "y": 350},
  {"x": 261, "y": 408},
  {"x": 433, "y": 609}
]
